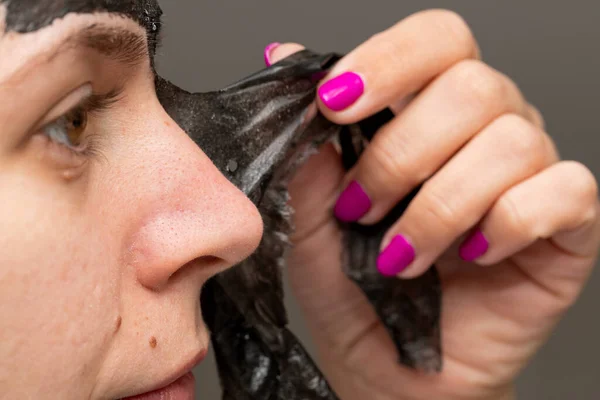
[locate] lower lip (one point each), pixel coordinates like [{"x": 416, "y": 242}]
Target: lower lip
[{"x": 182, "y": 389}]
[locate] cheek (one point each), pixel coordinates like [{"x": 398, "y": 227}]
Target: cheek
[{"x": 59, "y": 282}]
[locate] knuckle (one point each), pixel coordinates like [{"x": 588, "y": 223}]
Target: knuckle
[
  {"x": 479, "y": 83},
  {"x": 521, "y": 139},
  {"x": 536, "y": 116},
  {"x": 551, "y": 148},
  {"x": 584, "y": 186},
  {"x": 390, "y": 162},
  {"x": 512, "y": 218},
  {"x": 439, "y": 206}
]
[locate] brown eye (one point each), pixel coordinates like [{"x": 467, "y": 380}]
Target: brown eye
[
  {"x": 69, "y": 129},
  {"x": 76, "y": 122}
]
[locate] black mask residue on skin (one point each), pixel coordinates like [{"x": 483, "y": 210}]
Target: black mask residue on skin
[
  {"x": 25, "y": 16},
  {"x": 258, "y": 132}
]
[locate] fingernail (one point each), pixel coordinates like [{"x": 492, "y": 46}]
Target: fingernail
[
  {"x": 341, "y": 92},
  {"x": 396, "y": 257},
  {"x": 268, "y": 50},
  {"x": 352, "y": 204},
  {"x": 474, "y": 246}
]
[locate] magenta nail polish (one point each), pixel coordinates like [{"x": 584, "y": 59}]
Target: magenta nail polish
[
  {"x": 341, "y": 92},
  {"x": 268, "y": 50},
  {"x": 352, "y": 204},
  {"x": 474, "y": 246},
  {"x": 396, "y": 257}
]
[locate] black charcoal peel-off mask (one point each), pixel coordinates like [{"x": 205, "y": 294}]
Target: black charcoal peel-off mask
[
  {"x": 31, "y": 15},
  {"x": 258, "y": 131},
  {"x": 25, "y": 16}
]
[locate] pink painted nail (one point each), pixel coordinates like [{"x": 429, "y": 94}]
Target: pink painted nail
[
  {"x": 474, "y": 246},
  {"x": 396, "y": 257},
  {"x": 268, "y": 50},
  {"x": 352, "y": 204},
  {"x": 341, "y": 92}
]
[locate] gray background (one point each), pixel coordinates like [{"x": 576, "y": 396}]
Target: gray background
[{"x": 548, "y": 47}]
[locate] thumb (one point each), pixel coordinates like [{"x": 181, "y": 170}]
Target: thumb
[{"x": 276, "y": 52}]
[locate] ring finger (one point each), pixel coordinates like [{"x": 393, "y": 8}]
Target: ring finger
[{"x": 505, "y": 153}]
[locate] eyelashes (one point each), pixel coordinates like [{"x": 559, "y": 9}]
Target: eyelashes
[
  {"x": 72, "y": 131},
  {"x": 97, "y": 103}
]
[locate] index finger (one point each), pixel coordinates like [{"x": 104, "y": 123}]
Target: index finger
[
  {"x": 276, "y": 52},
  {"x": 394, "y": 64}
]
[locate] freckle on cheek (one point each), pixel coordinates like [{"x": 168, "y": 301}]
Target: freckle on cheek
[{"x": 153, "y": 342}]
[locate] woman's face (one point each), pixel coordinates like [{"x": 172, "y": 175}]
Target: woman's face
[{"x": 112, "y": 218}]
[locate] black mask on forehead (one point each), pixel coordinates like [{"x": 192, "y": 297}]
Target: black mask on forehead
[
  {"x": 258, "y": 131},
  {"x": 25, "y": 16}
]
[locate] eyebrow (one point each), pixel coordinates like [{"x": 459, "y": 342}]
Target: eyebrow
[{"x": 118, "y": 44}]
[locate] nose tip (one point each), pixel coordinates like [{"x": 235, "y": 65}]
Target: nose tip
[
  {"x": 170, "y": 240},
  {"x": 242, "y": 230}
]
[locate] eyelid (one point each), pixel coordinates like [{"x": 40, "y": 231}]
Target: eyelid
[{"x": 67, "y": 104}]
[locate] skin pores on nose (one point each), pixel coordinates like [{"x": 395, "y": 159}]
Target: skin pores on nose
[
  {"x": 156, "y": 252},
  {"x": 187, "y": 211}
]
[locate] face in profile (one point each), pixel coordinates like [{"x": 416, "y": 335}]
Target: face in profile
[{"x": 112, "y": 218}]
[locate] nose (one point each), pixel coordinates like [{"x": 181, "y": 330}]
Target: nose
[{"x": 186, "y": 213}]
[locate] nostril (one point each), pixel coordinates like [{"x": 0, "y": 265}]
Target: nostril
[
  {"x": 206, "y": 266},
  {"x": 205, "y": 260},
  {"x": 209, "y": 262}
]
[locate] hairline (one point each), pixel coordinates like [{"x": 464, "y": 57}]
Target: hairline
[{"x": 25, "y": 16}]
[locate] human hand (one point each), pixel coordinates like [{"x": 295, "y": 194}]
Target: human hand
[{"x": 513, "y": 230}]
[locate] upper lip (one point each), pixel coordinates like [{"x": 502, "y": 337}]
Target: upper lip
[{"x": 180, "y": 372}]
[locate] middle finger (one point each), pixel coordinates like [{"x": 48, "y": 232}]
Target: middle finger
[
  {"x": 429, "y": 131},
  {"x": 394, "y": 64}
]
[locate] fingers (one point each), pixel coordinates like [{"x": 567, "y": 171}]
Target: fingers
[
  {"x": 394, "y": 64},
  {"x": 536, "y": 118},
  {"x": 276, "y": 52},
  {"x": 311, "y": 194},
  {"x": 428, "y": 132},
  {"x": 507, "y": 152},
  {"x": 562, "y": 198}
]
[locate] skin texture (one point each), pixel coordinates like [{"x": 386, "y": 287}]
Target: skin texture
[
  {"x": 110, "y": 249},
  {"x": 107, "y": 305}
]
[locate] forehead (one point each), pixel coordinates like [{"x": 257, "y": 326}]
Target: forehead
[{"x": 25, "y": 16}]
